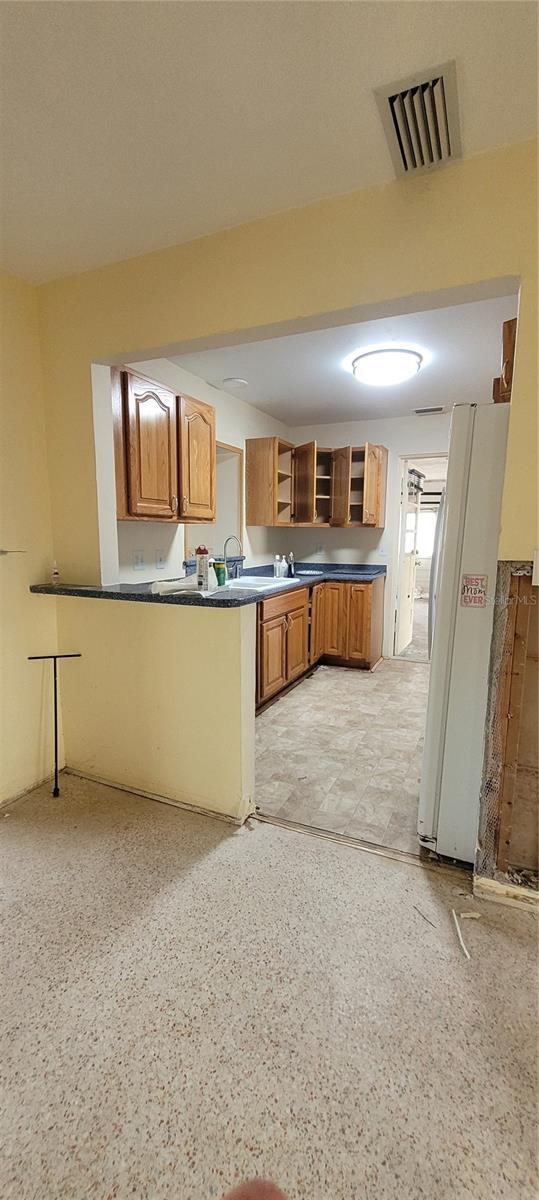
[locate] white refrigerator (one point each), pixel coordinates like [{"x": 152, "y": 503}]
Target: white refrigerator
[{"x": 461, "y": 612}]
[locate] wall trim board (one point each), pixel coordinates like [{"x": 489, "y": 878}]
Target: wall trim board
[
  {"x": 505, "y": 893},
  {"x": 186, "y": 805}
]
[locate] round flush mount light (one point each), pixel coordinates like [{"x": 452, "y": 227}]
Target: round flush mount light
[
  {"x": 386, "y": 366},
  {"x": 233, "y": 382},
  {"x": 383, "y": 366}
]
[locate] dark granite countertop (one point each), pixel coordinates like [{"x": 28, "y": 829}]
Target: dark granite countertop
[{"x": 306, "y": 575}]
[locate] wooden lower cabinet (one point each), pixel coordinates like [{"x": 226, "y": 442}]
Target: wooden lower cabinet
[
  {"x": 335, "y": 619},
  {"x": 318, "y": 606},
  {"x": 346, "y": 623},
  {"x": 358, "y": 621},
  {"x": 272, "y": 657},
  {"x": 283, "y": 641},
  {"x": 360, "y": 636},
  {"x": 297, "y": 643}
]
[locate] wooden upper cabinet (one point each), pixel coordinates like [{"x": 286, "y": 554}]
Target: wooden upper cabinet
[
  {"x": 151, "y": 448},
  {"x": 307, "y": 485},
  {"x": 502, "y": 386},
  {"x": 340, "y": 485},
  {"x": 269, "y": 481},
  {"x": 374, "y": 486},
  {"x": 197, "y": 460},
  {"x": 304, "y": 459},
  {"x": 359, "y": 613}
]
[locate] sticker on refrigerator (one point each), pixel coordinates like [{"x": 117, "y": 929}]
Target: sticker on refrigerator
[{"x": 473, "y": 591}]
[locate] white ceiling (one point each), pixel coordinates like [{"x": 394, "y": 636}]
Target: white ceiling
[
  {"x": 300, "y": 379},
  {"x": 127, "y": 127}
]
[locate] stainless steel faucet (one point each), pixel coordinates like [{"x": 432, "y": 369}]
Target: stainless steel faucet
[{"x": 232, "y": 538}]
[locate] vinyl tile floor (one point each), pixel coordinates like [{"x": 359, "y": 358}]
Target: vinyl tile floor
[
  {"x": 418, "y": 649},
  {"x": 186, "y": 1005},
  {"x": 342, "y": 751}
]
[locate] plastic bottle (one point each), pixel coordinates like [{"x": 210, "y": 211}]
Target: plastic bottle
[
  {"x": 277, "y": 566},
  {"x": 202, "y": 558},
  {"x": 284, "y": 567},
  {"x": 212, "y": 576},
  {"x": 291, "y": 571}
]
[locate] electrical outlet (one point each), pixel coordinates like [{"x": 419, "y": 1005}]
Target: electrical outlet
[
  {"x": 138, "y": 560},
  {"x": 160, "y": 560}
]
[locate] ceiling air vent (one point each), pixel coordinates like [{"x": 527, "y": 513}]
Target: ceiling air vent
[
  {"x": 428, "y": 412},
  {"x": 420, "y": 116}
]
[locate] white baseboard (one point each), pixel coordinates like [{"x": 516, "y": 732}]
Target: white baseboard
[{"x": 505, "y": 893}]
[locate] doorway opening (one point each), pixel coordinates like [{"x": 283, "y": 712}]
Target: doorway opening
[{"x": 422, "y": 491}]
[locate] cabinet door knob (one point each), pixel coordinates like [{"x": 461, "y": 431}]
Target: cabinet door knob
[
  {"x": 184, "y": 504},
  {"x": 174, "y": 503}
]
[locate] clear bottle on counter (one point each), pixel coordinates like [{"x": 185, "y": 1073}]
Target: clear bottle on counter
[{"x": 277, "y": 566}]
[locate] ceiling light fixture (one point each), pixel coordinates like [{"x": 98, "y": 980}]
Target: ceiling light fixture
[
  {"x": 232, "y": 381},
  {"x": 386, "y": 366}
]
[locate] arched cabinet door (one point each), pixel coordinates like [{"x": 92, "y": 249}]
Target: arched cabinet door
[
  {"x": 197, "y": 460},
  {"x": 152, "y": 461}
]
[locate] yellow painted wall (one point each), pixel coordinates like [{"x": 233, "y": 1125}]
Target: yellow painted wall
[
  {"x": 473, "y": 221},
  {"x": 27, "y": 626},
  {"x": 162, "y": 699}
]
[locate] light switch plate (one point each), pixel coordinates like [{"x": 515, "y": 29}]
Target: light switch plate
[
  {"x": 138, "y": 560},
  {"x": 160, "y": 560}
]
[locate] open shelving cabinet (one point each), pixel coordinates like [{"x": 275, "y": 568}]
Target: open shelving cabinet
[{"x": 310, "y": 485}]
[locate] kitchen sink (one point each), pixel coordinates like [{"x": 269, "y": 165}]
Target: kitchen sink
[{"x": 258, "y": 583}]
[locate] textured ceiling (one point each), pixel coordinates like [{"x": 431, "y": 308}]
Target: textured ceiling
[
  {"x": 301, "y": 380},
  {"x": 127, "y": 127}
]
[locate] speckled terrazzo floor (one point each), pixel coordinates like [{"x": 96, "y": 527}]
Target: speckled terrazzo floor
[
  {"x": 185, "y": 1004},
  {"x": 342, "y": 751}
]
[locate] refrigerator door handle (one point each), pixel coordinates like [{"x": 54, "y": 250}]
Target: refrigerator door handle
[{"x": 435, "y": 570}]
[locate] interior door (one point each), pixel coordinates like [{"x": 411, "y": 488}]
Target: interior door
[
  {"x": 404, "y": 625},
  {"x": 152, "y": 466},
  {"x": 297, "y": 650},
  {"x": 341, "y": 472},
  {"x": 197, "y": 459},
  {"x": 305, "y": 482}
]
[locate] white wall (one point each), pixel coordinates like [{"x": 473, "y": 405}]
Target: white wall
[
  {"x": 235, "y": 421},
  {"x": 229, "y": 517},
  {"x": 404, "y": 437}
]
